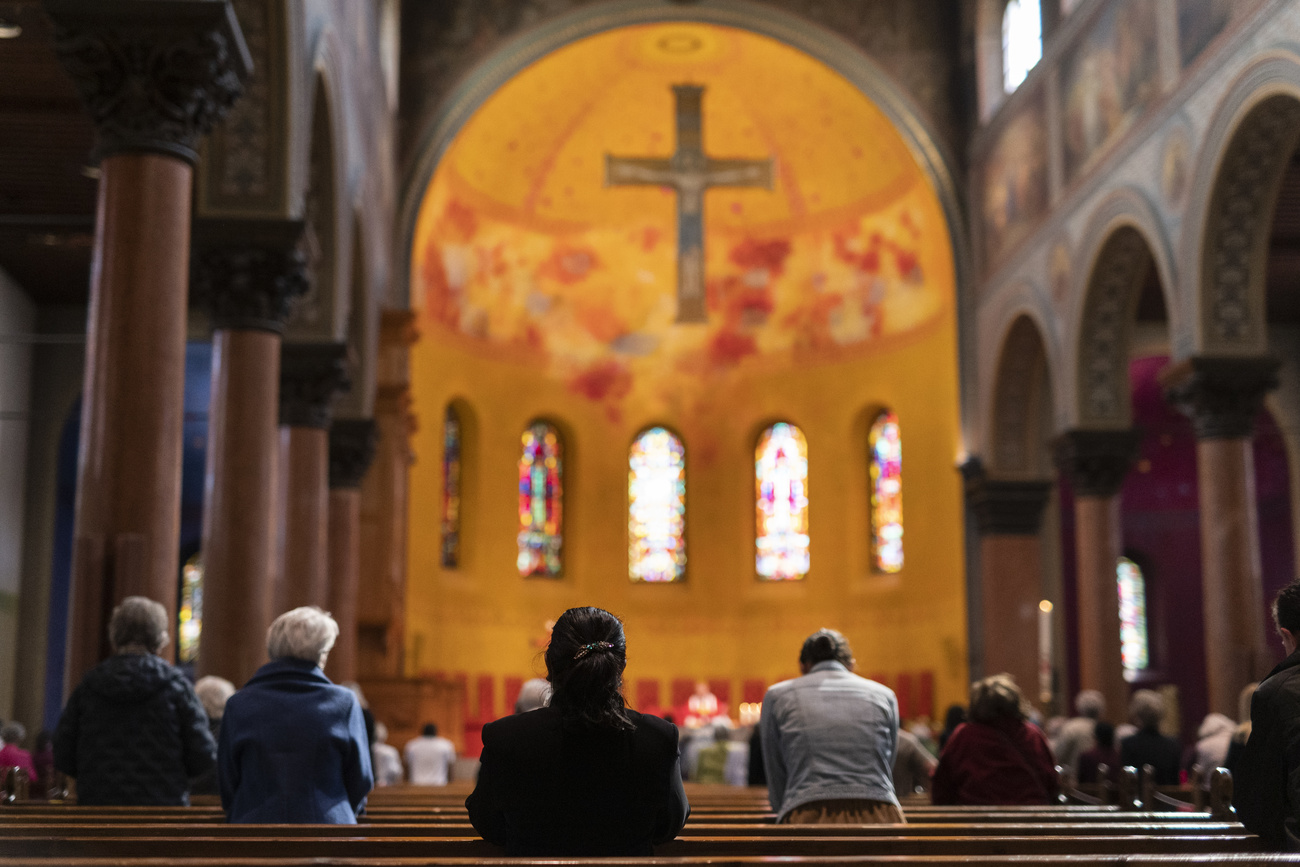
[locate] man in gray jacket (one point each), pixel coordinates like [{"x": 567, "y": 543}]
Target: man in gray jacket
[{"x": 829, "y": 739}]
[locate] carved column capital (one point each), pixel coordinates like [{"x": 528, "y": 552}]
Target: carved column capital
[
  {"x": 1096, "y": 461},
  {"x": 352, "y": 448},
  {"x": 155, "y": 74},
  {"x": 311, "y": 374},
  {"x": 247, "y": 273},
  {"x": 1005, "y": 507},
  {"x": 1221, "y": 395}
]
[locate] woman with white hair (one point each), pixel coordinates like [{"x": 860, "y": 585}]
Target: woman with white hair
[
  {"x": 293, "y": 745},
  {"x": 213, "y": 692},
  {"x": 133, "y": 732}
]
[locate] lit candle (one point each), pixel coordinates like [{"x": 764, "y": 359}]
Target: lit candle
[{"x": 1045, "y": 651}]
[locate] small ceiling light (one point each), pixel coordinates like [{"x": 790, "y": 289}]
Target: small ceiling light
[{"x": 9, "y": 30}]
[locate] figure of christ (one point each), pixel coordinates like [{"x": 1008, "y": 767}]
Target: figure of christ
[{"x": 690, "y": 172}]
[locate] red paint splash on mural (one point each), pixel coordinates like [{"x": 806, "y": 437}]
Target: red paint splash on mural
[
  {"x": 729, "y": 347},
  {"x": 460, "y": 223},
  {"x": 438, "y": 299},
  {"x": 770, "y": 255},
  {"x": 605, "y": 380}
]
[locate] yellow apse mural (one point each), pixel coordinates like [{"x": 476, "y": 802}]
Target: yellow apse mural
[{"x": 523, "y": 251}]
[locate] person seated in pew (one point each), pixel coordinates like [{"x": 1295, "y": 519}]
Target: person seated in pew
[
  {"x": 1148, "y": 746},
  {"x": 385, "y": 759},
  {"x": 584, "y": 775},
  {"x": 1266, "y": 784},
  {"x": 133, "y": 732},
  {"x": 913, "y": 765},
  {"x": 12, "y": 754},
  {"x": 829, "y": 739},
  {"x": 213, "y": 692},
  {"x": 1077, "y": 735},
  {"x": 293, "y": 745},
  {"x": 430, "y": 757},
  {"x": 996, "y": 758},
  {"x": 1104, "y": 753}
]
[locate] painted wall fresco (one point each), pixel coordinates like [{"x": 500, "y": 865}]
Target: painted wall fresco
[
  {"x": 1200, "y": 21},
  {"x": 1015, "y": 179},
  {"x": 546, "y": 265},
  {"x": 1108, "y": 79}
]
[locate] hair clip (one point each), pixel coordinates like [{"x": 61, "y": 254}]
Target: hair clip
[{"x": 588, "y": 648}]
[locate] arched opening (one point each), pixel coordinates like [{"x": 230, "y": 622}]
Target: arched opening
[
  {"x": 1022, "y": 405},
  {"x": 315, "y": 311}
]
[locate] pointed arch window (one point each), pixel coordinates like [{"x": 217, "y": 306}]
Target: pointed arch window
[
  {"x": 656, "y": 521},
  {"x": 541, "y": 501},
  {"x": 1022, "y": 41},
  {"x": 781, "y": 486},
  {"x": 1134, "y": 643},
  {"x": 886, "y": 446},
  {"x": 189, "y": 628},
  {"x": 451, "y": 475}
]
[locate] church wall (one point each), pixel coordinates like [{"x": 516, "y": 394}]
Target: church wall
[
  {"x": 57, "y": 370},
  {"x": 721, "y": 623},
  {"x": 17, "y": 316}
]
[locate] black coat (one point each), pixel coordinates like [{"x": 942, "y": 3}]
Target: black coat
[
  {"x": 1266, "y": 780},
  {"x": 1149, "y": 747},
  {"x": 133, "y": 733},
  {"x": 544, "y": 789}
]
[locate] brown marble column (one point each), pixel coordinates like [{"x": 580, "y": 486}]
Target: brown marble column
[
  {"x": 1010, "y": 516},
  {"x": 1096, "y": 463},
  {"x": 1222, "y": 396},
  {"x": 384, "y": 491},
  {"x": 155, "y": 77},
  {"x": 246, "y": 274},
  {"x": 310, "y": 375},
  {"x": 352, "y": 448}
]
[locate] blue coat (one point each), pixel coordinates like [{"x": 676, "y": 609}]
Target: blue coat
[{"x": 293, "y": 749}]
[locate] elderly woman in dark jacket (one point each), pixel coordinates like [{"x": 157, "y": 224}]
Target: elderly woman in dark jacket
[
  {"x": 293, "y": 745},
  {"x": 585, "y": 775},
  {"x": 133, "y": 731}
]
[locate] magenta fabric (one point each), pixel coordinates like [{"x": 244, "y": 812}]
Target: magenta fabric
[{"x": 1008, "y": 762}]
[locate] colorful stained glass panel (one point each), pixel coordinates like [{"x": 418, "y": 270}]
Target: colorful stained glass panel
[
  {"x": 886, "y": 494},
  {"x": 656, "y": 522},
  {"x": 1134, "y": 645},
  {"x": 451, "y": 436},
  {"x": 190, "y": 616},
  {"x": 541, "y": 501},
  {"x": 781, "y": 485}
]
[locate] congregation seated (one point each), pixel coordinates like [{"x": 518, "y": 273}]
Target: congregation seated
[
  {"x": 133, "y": 731},
  {"x": 213, "y": 693},
  {"x": 385, "y": 759},
  {"x": 1147, "y": 746},
  {"x": 585, "y": 775},
  {"x": 997, "y": 757},
  {"x": 293, "y": 745},
  {"x": 1077, "y": 735},
  {"x": 913, "y": 765}
]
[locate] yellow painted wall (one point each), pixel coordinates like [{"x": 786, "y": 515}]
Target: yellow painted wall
[{"x": 722, "y": 622}]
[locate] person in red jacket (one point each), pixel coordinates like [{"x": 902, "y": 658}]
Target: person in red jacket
[{"x": 997, "y": 757}]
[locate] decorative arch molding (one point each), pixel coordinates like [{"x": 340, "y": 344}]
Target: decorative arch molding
[
  {"x": 1245, "y": 152},
  {"x": 1125, "y": 239},
  {"x": 836, "y": 52},
  {"x": 1022, "y": 401}
]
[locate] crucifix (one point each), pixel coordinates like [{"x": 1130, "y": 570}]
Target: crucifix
[{"x": 689, "y": 171}]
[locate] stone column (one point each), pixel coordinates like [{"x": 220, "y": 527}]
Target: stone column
[
  {"x": 1096, "y": 462},
  {"x": 310, "y": 375},
  {"x": 384, "y": 492},
  {"x": 247, "y": 274},
  {"x": 1222, "y": 396},
  {"x": 352, "y": 448},
  {"x": 1010, "y": 517},
  {"x": 155, "y": 75}
]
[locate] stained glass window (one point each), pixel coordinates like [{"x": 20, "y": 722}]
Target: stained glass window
[
  {"x": 541, "y": 501},
  {"x": 656, "y": 521},
  {"x": 191, "y": 612},
  {"x": 1022, "y": 41},
  {"x": 451, "y": 434},
  {"x": 886, "y": 494},
  {"x": 781, "y": 485},
  {"x": 1132, "y": 615}
]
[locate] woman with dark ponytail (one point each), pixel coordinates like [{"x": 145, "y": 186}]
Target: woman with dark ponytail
[{"x": 585, "y": 775}]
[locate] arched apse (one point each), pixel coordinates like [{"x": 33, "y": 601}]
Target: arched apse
[
  {"x": 835, "y": 52},
  {"x": 1022, "y": 417},
  {"x": 1123, "y": 278},
  {"x": 1247, "y": 150}
]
